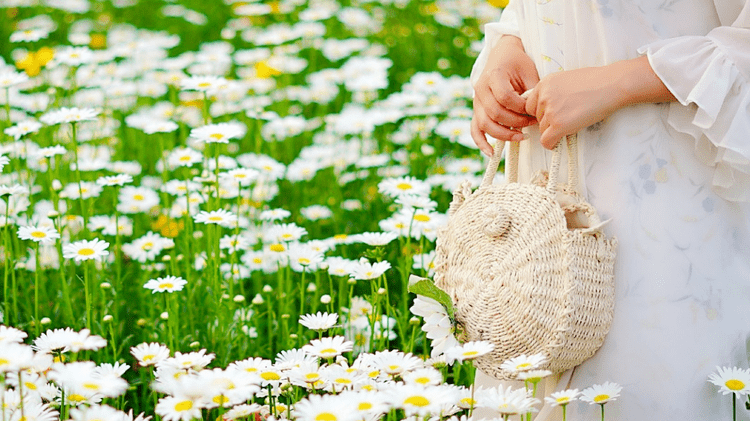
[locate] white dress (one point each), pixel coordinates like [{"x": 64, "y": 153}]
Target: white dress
[{"x": 674, "y": 179}]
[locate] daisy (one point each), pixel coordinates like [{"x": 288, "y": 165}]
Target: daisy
[
  {"x": 319, "y": 321},
  {"x": 203, "y": 83},
  {"x": 10, "y": 78},
  {"x": 29, "y": 35},
  {"x": 96, "y": 412},
  {"x": 731, "y": 380},
  {"x": 218, "y": 217},
  {"x": 304, "y": 258},
  {"x": 396, "y": 363},
  {"x": 23, "y": 127},
  {"x": 427, "y": 376},
  {"x": 218, "y": 133},
  {"x": 173, "y": 408},
  {"x": 4, "y": 160},
  {"x": 43, "y": 235},
  {"x": 328, "y": 347},
  {"x": 601, "y": 393},
  {"x": 51, "y": 151},
  {"x": 11, "y": 335},
  {"x": 523, "y": 363},
  {"x": 324, "y": 407},
  {"x": 395, "y": 187},
  {"x": 469, "y": 350},
  {"x": 242, "y": 411},
  {"x": 15, "y": 357},
  {"x": 507, "y": 401},
  {"x": 241, "y": 176},
  {"x": 533, "y": 376},
  {"x": 376, "y": 238},
  {"x": 339, "y": 266},
  {"x": 68, "y": 115},
  {"x": 114, "y": 180},
  {"x": 364, "y": 270},
  {"x": 168, "y": 284},
  {"x": 183, "y": 157},
  {"x": 86, "y": 250},
  {"x": 274, "y": 215},
  {"x": 419, "y": 400},
  {"x": 285, "y": 233},
  {"x": 562, "y": 399}
]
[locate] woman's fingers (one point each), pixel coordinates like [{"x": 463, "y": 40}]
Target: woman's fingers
[
  {"x": 498, "y": 111},
  {"x": 481, "y": 124},
  {"x": 505, "y": 95}
]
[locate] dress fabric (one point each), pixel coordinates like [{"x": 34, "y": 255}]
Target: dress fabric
[{"x": 675, "y": 181}]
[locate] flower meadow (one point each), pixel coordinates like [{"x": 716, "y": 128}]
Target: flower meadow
[{"x": 212, "y": 210}]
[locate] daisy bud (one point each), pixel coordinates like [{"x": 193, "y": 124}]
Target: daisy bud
[
  {"x": 20, "y": 265},
  {"x": 105, "y": 285},
  {"x": 351, "y": 281},
  {"x": 267, "y": 288},
  {"x": 238, "y": 298},
  {"x": 257, "y": 300},
  {"x": 198, "y": 235},
  {"x": 325, "y": 299},
  {"x": 180, "y": 257},
  {"x": 225, "y": 296},
  {"x": 45, "y": 321},
  {"x": 323, "y": 266},
  {"x": 141, "y": 322},
  {"x": 311, "y": 287},
  {"x": 166, "y": 258},
  {"x": 381, "y": 291},
  {"x": 195, "y": 344},
  {"x": 285, "y": 316},
  {"x": 414, "y": 321},
  {"x": 164, "y": 316},
  {"x": 56, "y": 185},
  {"x": 53, "y": 214},
  {"x": 107, "y": 318},
  {"x": 427, "y": 150},
  {"x": 293, "y": 336}
]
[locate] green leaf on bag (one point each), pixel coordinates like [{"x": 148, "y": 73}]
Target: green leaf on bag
[{"x": 426, "y": 288}]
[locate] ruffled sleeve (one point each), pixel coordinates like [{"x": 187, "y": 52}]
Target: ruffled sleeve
[
  {"x": 710, "y": 77},
  {"x": 508, "y": 25}
]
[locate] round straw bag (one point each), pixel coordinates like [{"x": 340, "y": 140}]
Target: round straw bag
[{"x": 528, "y": 267}]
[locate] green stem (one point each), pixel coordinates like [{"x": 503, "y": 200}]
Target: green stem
[
  {"x": 37, "y": 324},
  {"x": 87, "y": 291}
]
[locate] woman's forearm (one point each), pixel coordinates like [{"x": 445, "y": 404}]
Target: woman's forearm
[{"x": 637, "y": 83}]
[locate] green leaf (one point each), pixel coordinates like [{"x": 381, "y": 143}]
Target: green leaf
[{"x": 426, "y": 288}]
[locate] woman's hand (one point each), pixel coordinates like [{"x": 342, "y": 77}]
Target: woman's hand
[
  {"x": 499, "y": 110},
  {"x": 568, "y": 101}
]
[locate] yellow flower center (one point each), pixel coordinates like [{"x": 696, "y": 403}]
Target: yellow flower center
[
  {"x": 470, "y": 353},
  {"x": 148, "y": 357},
  {"x": 468, "y": 401},
  {"x": 563, "y": 399},
  {"x": 204, "y": 85},
  {"x": 217, "y": 136},
  {"x": 277, "y": 248},
  {"x": 185, "y": 158},
  {"x": 166, "y": 285},
  {"x": 86, "y": 252},
  {"x": 270, "y": 375},
  {"x": 76, "y": 397},
  {"x": 403, "y": 186},
  {"x": 311, "y": 377},
  {"x": 419, "y": 401},
  {"x": 304, "y": 261},
  {"x": 220, "y": 399},
  {"x": 422, "y": 218},
  {"x": 328, "y": 351},
  {"x": 523, "y": 366},
  {"x": 325, "y": 416},
  {"x": 91, "y": 386},
  {"x": 343, "y": 380},
  {"x": 30, "y": 385},
  {"x": 38, "y": 234},
  {"x": 251, "y": 370},
  {"x": 364, "y": 406},
  {"x": 183, "y": 406},
  {"x": 600, "y": 398},
  {"x": 215, "y": 218},
  {"x": 138, "y": 197},
  {"x": 735, "y": 384}
]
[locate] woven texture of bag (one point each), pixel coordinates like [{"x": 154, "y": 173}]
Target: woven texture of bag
[{"x": 519, "y": 275}]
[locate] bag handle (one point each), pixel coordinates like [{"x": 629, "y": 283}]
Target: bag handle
[{"x": 511, "y": 163}]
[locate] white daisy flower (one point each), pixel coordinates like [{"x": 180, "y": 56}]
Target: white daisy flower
[
  {"x": 601, "y": 393},
  {"x": 40, "y": 234},
  {"x": 183, "y": 408},
  {"x": 376, "y": 238},
  {"x": 68, "y": 115},
  {"x": 324, "y": 407},
  {"x": 149, "y": 353},
  {"x": 469, "y": 350},
  {"x": 319, "y": 321},
  {"x": 10, "y": 78},
  {"x": 395, "y": 187},
  {"x": 218, "y": 133},
  {"x": 364, "y": 270},
  {"x": 507, "y": 401},
  {"x": 86, "y": 250},
  {"x": 523, "y": 363},
  {"x": 207, "y": 84},
  {"x": 218, "y": 217},
  {"x": 23, "y": 127},
  {"x": 168, "y": 284},
  {"x": 328, "y": 347},
  {"x": 274, "y": 215},
  {"x": 731, "y": 380},
  {"x": 562, "y": 398},
  {"x": 114, "y": 180},
  {"x": 11, "y": 334}
]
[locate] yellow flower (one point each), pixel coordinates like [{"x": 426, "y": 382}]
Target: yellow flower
[{"x": 498, "y": 3}]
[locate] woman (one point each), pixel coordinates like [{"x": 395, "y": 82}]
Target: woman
[{"x": 659, "y": 94}]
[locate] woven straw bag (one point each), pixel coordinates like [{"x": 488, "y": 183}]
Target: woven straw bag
[{"x": 528, "y": 266}]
